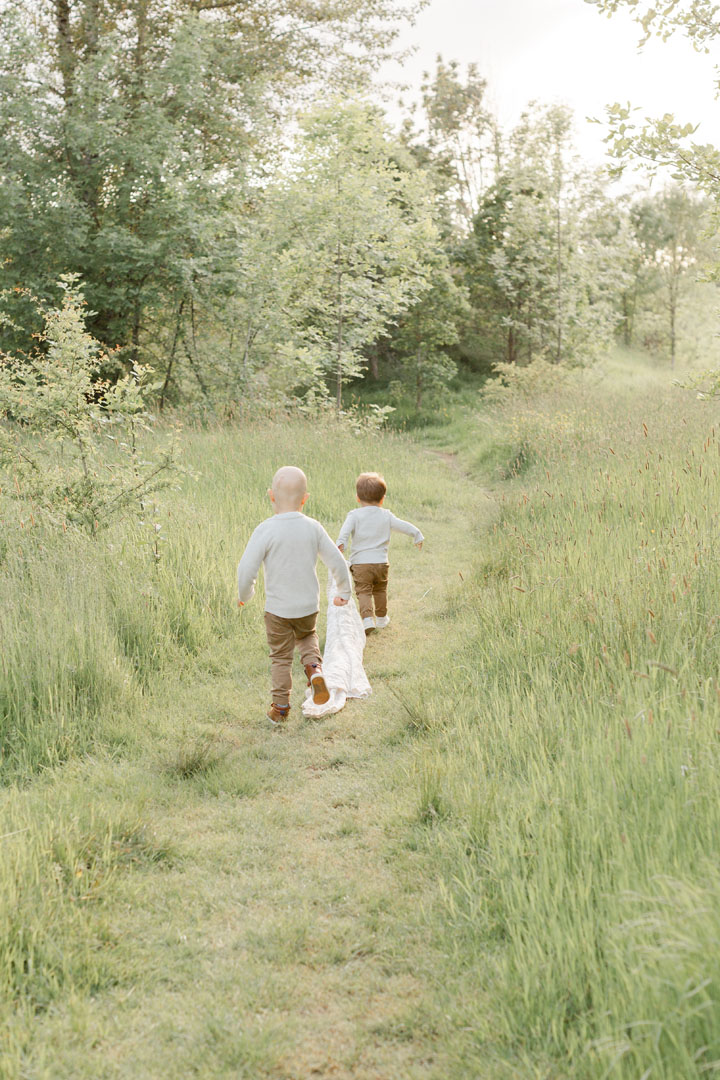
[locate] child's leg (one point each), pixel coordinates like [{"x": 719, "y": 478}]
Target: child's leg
[
  {"x": 379, "y": 590},
  {"x": 306, "y": 639},
  {"x": 362, "y": 574},
  {"x": 281, "y": 640}
]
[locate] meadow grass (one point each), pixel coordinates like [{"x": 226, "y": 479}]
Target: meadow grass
[
  {"x": 86, "y": 622},
  {"x": 504, "y": 864},
  {"x": 576, "y": 792},
  {"x": 198, "y": 898}
]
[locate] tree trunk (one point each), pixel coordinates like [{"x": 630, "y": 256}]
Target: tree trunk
[
  {"x": 141, "y": 41},
  {"x": 171, "y": 361},
  {"x": 673, "y": 295},
  {"x": 418, "y": 383},
  {"x": 511, "y": 345},
  {"x": 137, "y": 85},
  {"x": 192, "y": 354},
  {"x": 196, "y": 369},
  {"x": 92, "y": 26},
  {"x": 530, "y": 325},
  {"x": 673, "y": 333},
  {"x": 66, "y": 51},
  {"x": 249, "y": 338},
  {"x": 137, "y": 312},
  {"x": 558, "y": 357},
  {"x": 339, "y": 342},
  {"x": 627, "y": 322}
]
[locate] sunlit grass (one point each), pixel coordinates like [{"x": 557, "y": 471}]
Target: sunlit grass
[
  {"x": 87, "y": 623},
  {"x": 505, "y": 862},
  {"x": 580, "y": 786},
  {"x": 133, "y": 695}
]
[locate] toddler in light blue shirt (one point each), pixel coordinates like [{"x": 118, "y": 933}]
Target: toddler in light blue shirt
[{"x": 368, "y": 530}]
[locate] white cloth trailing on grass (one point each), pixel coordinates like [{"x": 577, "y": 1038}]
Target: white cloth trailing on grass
[{"x": 342, "y": 659}]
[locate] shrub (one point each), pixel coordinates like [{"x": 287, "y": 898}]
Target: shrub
[{"x": 70, "y": 442}]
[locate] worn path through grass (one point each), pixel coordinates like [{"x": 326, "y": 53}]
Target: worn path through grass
[{"x": 284, "y": 933}]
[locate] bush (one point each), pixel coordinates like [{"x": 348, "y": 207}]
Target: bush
[{"x": 69, "y": 442}]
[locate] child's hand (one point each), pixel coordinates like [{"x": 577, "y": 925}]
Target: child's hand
[
  {"x": 419, "y": 546},
  {"x": 341, "y": 547},
  {"x": 339, "y": 602}
]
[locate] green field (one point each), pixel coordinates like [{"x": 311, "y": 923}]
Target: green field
[{"x": 503, "y": 864}]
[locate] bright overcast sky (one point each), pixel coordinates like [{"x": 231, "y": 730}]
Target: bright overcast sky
[{"x": 564, "y": 51}]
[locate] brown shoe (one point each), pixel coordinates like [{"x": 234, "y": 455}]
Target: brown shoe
[
  {"x": 278, "y": 714},
  {"x": 317, "y": 684}
]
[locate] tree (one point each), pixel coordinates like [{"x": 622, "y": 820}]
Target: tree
[
  {"x": 417, "y": 348},
  {"x": 51, "y": 399},
  {"x": 664, "y": 142},
  {"x": 130, "y": 134},
  {"x": 665, "y": 145},
  {"x": 535, "y": 263},
  {"x": 668, "y": 227},
  {"x": 459, "y": 141},
  {"x": 359, "y": 231}
]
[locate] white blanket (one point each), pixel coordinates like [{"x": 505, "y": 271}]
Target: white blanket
[{"x": 343, "y": 669}]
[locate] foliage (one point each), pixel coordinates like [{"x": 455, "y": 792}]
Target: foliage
[
  {"x": 537, "y": 256},
  {"x": 462, "y": 137},
  {"x": 254, "y": 248},
  {"x": 424, "y": 337},
  {"x": 70, "y": 444},
  {"x": 132, "y": 135},
  {"x": 665, "y": 145},
  {"x": 665, "y": 141},
  {"x": 673, "y": 245},
  {"x": 416, "y": 355},
  {"x": 358, "y": 233},
  {"x": 515, "y": 383},
  {"x": 705, "y": 383},
  {"x": 697, "y": 19}
]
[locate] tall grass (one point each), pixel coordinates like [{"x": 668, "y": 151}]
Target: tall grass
[
  {"x": 90, "y": 629},
  {"x": 86, "y": 624},
  {"x": 57, "y": 869},
  {"x": 580, "y": 779},
  {"x": 565, "y": 755}
]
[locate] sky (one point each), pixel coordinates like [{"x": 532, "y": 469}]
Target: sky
[{"x": 564, "y": 51}]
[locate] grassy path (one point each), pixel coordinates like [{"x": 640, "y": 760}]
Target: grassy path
[{"x": 274, "y": 923}]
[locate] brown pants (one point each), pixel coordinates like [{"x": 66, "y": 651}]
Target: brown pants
[
  {"x": 284, "y": 635},
  {"x": 371, "y": 587}
]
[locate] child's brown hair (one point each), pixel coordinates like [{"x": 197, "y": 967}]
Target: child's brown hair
[{"x": 370, "y": 487}]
